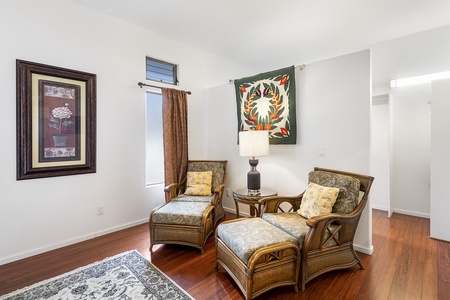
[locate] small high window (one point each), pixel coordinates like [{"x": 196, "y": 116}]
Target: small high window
[{"x": 161, "y": 71}]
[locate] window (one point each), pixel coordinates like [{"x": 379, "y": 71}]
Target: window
[
  {"x": 154, "y": 142},
  {"x": 161, "y": 71}
]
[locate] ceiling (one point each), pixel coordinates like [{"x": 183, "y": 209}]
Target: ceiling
[{"x": 268, "y": 34}]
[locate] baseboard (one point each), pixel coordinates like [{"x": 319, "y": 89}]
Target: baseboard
[
  {"x": 69, "y": 242},
  {"x": 233, "y": 211},
  {"x": 230, "y": 210},
  {"x": 412, "y": 213},
  {"x": 403, "y": 212},
  {"x": 365, "y": 250},
  {"x": 380, "y": 207}
]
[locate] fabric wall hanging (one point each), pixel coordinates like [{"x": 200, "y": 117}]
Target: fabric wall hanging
[{"x": 267, "y": 102}]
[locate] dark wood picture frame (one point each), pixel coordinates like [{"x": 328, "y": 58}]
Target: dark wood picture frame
[{"x": 56, "y": 121}]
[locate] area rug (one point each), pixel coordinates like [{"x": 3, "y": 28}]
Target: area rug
[{"x": 125, "y": 276}]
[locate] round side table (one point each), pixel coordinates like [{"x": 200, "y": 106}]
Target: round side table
[{"x": 241, "y": 195}]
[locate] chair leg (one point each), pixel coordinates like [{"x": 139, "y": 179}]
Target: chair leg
[
  {"x": 361, "y": 265},
  {"x": 302, "y": 285},
  {"x": 357, "y": 258},
  {"x": 302, "y": 279}
]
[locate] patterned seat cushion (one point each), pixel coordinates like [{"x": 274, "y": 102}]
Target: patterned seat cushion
[
  {"x": 292, "y": 223},
  {"x": 187, "y": 198},
  {"x": 181, "y": 213},
  {"x": 348, "y": 187},
  {"x": 246, "y": 236},
  {"x": 295, "y": 225}
]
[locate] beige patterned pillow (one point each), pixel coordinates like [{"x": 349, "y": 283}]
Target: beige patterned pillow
[
  {"x": 317, "y": 200},
  {"x": 198, "y": 183}
]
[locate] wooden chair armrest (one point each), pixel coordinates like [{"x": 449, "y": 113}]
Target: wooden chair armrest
[
  {"x": 315, "y": 221},
  {"x": 217, "y": 193},
  {"x": 219, "y": 188},
  {"x": 174, "y": 186},
  {"x": 344, "y": 224},
  {"x": 356, "y": 213},
  {"x": 273, "y": 204},
  {"x": 174, "y": 189}
]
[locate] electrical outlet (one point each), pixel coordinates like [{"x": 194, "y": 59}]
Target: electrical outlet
[
  {"x": 228, "y": 193},
  {"x": 321, "y": 151},
  {"x": 100, "y": 210}
]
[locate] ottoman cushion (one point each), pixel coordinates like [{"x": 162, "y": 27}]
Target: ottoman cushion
[
  {"x": 295, "y": 225},
  {"x": 181, "y": 213},
  {"x": 246, "y": 236},
  {"x": 291, "y": 223}
]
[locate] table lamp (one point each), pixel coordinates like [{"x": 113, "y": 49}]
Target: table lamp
[{"x": 253, "y": 143}]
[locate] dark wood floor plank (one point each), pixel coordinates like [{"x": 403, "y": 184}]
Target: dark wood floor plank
[
  {"x": 406, "y": 264},
  {"x": 444, "y": 269},
  {"x": 430, "y": 272},
  {"x": 379, "y": 276}
]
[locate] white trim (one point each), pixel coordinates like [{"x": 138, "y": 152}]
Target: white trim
[
  {"x": 69, "y": 242},
  {"x": 368, "y": 251},
  {"x": 382, "y": 208},
  {"x": 233, "y": 211},
  {"x": 411, "y": 213}
]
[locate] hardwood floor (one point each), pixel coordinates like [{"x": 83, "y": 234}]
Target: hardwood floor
[{"x": 406, "y": 264}]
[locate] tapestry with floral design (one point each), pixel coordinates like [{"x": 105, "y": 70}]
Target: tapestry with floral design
[{"x": 267, "y": 102}]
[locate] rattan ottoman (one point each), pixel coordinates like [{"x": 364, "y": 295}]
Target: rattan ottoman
[
  {"x": 184, "y": 223},
  {"x": 257, "y": 255}
]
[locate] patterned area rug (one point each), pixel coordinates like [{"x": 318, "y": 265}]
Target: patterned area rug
[{"x": 124, "y": 276}]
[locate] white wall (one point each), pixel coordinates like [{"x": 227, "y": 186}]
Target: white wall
[
  {"x": 379, "y": 154},
  {"x": 440, "y": 160},
  {"x": 333, "y": 111},
  {"x": 42, "y": 214},
  {"x": 417, "y": 54},
  {"x": 411, "y": 156}
]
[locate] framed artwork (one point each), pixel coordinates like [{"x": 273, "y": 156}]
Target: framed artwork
[{"x": 56, "y": 121}]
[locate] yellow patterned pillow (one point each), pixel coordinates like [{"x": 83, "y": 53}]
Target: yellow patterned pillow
[
  {"x": 198, "y": 183},
  {"x": 317, "y": 200}
]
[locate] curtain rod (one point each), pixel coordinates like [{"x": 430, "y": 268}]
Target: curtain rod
[
  {"x": 300, "y": 67},
  {"x": 141, "y": 84}
]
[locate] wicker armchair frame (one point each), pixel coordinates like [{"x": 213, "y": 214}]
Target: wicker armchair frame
[
  {"x": 175, "y": 189},
  {"x": 317, "y": 257}
]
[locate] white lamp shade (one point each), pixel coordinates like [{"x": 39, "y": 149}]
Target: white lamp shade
[{"x": 254, "y": 143}]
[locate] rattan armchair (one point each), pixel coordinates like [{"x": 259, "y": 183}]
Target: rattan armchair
[
  {"x": 190, "y": 219},
  {"x": 325, "y": 241},
  {"x": 175, "y": 191}
]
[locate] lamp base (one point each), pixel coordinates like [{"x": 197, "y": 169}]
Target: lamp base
[{"x": 253, "y": 179}]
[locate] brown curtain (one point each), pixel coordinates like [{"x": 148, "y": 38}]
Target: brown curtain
[{"x": 175, "y": 134}]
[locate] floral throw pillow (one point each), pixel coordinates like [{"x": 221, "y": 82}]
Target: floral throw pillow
[
  {"x": 317, "y": 200},
  {"x": 198, "y": 183}
]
